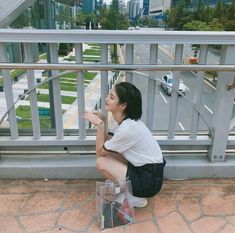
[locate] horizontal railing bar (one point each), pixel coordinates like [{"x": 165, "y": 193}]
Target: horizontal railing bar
[
  {"x": 90, "y": 140},
  {"x": 115, "y": 67},
  {"x": 115, "y": 36}
]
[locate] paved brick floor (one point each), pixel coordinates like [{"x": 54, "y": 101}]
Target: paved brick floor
[{"x": 65, "y": 206}]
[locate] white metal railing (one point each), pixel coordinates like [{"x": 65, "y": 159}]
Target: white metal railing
[{"x": 219, "y": 127}]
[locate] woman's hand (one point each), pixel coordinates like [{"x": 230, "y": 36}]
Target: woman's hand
[
  {"x": 93, "y": 118},
  {"x": 101, "y": 116}
]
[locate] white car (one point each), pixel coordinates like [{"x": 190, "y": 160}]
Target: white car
[{"x": 167, "y": 84}]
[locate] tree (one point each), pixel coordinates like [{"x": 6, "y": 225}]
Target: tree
[
  {"x": 111, "y": 18},
  {"x": 230, "y": 13},
  {"x": 179, "y": 16},
  {"x": 215, "y": 25},
  {"x": 196, "y": 25},
  {"x": 64, "y": 15},
  {"x": 219, "y": 10},
  {"x": 207, "y": 14},
  {"x": 199, "y": 10},
  {"x": 81, "y": 20}
]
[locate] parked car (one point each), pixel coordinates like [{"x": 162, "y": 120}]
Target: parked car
[{"x": 167, "y": 84}]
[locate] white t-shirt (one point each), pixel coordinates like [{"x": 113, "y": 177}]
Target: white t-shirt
[{"x": 135, "y": 142}]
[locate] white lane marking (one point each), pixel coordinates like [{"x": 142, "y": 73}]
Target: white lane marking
[
  {"x": 141, "y": 73},
  {"x": 208, "y": 109},
  {"x": 181, "y": 126},
  {"x": 159, "y": 61},
  {"x": 163, "y": 97},
  {"x": 187, "y": 88},
  {"x": 138, "y": 57}
]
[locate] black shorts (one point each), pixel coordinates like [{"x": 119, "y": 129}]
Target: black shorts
[{"x": 146, "y": 180}]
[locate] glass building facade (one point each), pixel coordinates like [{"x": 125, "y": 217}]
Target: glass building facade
[{"x": 146, "y": 7}]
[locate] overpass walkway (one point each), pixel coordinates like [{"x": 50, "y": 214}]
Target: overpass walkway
[{"x": 66, "y": 206}]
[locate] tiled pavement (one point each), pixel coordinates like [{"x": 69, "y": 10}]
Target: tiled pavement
[{"x": 65, "y": 206}]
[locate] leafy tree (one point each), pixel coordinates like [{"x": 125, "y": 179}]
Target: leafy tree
[
  {"x": 81, "y": 20},
  {"x": 219, "y": 9},
  {"x": 166, "y": 17},
  {"x": 215, "y": 25},
  {"x": 196, "y": 25},
  {"x": 199, "y": 10},
  {"x": 230, "y": 13},
  {"x": 64, "y": 15},
  {"x": 117, "y": 20},
  {"x": 229, "y": 25},
  {"x": 145, "y": 21},
  {"x": 179, "y": 16},
  {"x": 229, "y": 17},
  {"x": 111, "y": 18},
  {"x": 207, "y": 14}
]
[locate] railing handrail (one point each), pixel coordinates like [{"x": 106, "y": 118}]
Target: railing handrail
[
  {"x": 113, "y": 67},
  {"x": 116, "y": 36}
]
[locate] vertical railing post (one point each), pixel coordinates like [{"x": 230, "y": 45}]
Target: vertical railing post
[
  {"x": 80, "y": 92},
  {"x": 56, "y": 93},
  {"x": 104, "y": 77},
  {"x": 9, "y": 94},
  {"x": 129, "y": 61},
  {"x": 174, "y": 95},
  {"x": 33, "y": 93},
  {"x": 223, "y": 106},
  {"x": 198, "y": 93},
  {"x": 151, "y": 87}
]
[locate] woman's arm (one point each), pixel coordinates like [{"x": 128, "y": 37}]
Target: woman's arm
[{"x": 101, "y": 134}]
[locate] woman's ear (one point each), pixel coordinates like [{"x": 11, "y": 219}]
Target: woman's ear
[{"x": 123, "y": 106}]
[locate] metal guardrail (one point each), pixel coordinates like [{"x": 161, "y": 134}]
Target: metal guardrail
[{"x": 218, "y": 138}]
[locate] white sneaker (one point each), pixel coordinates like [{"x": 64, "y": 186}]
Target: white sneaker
[{"x": 138, "y": 202}]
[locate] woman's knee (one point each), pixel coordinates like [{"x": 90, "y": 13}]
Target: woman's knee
[{"x": 100, "y": 163}]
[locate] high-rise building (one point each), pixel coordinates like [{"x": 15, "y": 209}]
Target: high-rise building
[
  {"x": 157, "y": 7},
  {"x": 133, "y": 8},
  {"x": 88, "y": 6},
  {"x": 146, "y": 7},
  {"x": 122, "y": 6},
  {"x": 98, "y": 3}
]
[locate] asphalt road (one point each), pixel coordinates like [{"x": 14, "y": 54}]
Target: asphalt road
[{"x": 162, "y": 106}]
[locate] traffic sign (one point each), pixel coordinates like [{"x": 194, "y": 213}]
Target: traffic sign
[{"x": 44, "y": 112}]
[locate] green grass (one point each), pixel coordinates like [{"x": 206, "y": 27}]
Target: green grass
[
  {"x": 64, "y": 99},
  {"x": 95, "y": 47},
  {"x": 64, "y": 87},
  {"x": 94, "y": 44},
  {"x": 1, "y": 81},
  {"x": 85, "y": 59},
  {"x": 87, "y": 75},
  {"x": 24, "y": 112},
  {"x": 92, "y": 52},
  {"x": 71, "y": 86},
  {"x": 43, "y": 56},
  {"x": 89, "y": 59}
]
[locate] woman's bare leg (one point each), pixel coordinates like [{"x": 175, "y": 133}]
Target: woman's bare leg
[{"x": 112, "y": 168}]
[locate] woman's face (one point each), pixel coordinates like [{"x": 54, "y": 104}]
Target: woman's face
[{"x": 112, "y": 102}]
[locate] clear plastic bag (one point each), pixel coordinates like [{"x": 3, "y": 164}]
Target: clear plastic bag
[{"x": 113, "y": 204}]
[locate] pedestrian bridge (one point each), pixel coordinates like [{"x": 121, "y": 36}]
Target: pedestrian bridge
[{"x": 194, "y": 152}]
